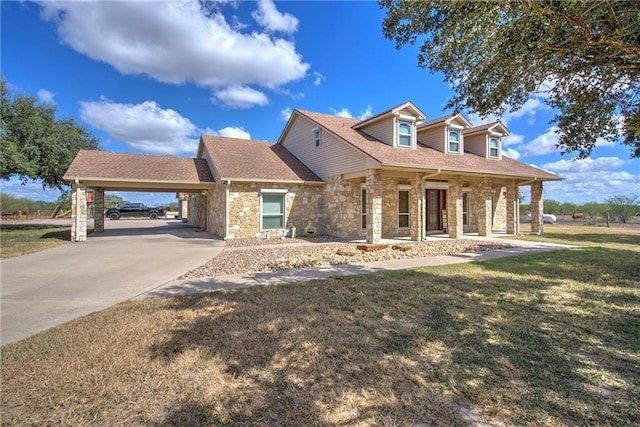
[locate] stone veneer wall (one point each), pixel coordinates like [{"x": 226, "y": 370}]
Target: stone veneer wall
[
  {"x": 197, "y": 210},
  {"x": 342, "y": 207},
  {"x": 79, "y": 212},
  {"x": 303, "y": 204},
  {"x": 390, "y": 207},
  {"x": 499, "y": 208},
  {"x": 218, "y": 210}
]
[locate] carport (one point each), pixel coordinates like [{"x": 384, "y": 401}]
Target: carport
[{"x": 105, "y": 171}]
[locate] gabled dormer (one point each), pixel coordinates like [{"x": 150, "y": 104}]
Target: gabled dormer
[
  {"x": 445, "y": 134},
  {"x": 396, "y": 126},
  {"x": 486, "y": 140}
]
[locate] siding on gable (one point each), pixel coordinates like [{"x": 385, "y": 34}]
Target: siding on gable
[
  {"x": 333, "y": 157},
  {"x": 381, "y": 130},
  {"x": 434, "y": 138},
  {"x": 476, "y": 144}
]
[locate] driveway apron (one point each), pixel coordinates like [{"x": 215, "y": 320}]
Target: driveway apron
[{"x": 54, "y": 286}]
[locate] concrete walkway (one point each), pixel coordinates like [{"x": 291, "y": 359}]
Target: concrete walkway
[
  {"x": 47, "y": 288},
  {"x": 212, "y": 284}
]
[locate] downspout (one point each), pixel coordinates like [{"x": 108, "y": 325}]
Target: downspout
[{"x": 423, "y": 231}]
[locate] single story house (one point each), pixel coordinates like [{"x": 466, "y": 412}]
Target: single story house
[{"x": 391, "y": 175}]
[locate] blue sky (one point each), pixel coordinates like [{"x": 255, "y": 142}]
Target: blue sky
[{"x": 150, "y": 77}]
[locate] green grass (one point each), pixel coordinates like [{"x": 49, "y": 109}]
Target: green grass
[
  {"x": 544, "y": 339},
  {"x": 19, "y": 239}
]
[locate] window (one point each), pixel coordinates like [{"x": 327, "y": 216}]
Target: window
[
  {"x": 404, "y": 135},
  {"x": 272, "y": 210},
  {"x": 494, "y": 145},
  {"x": 465, "y": 208},
  {"x": 403, "y": 208},
  {"x": 363, "y": 208},
  {"x": 316, "y": 137},
  {"x": 454, "y": 141}
]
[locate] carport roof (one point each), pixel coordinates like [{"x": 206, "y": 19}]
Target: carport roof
[{"x": 123, "y": 169}]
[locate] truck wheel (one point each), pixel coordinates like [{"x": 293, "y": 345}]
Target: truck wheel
[
  {"x": 153, "y": 215},
  {"x": 114, "y": 216}
]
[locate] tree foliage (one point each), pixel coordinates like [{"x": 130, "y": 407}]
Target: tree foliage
[
  {"x": 623, "y": 207},
  {"x": 35, "y": 144},
  {"x": 583, "y": 57}
]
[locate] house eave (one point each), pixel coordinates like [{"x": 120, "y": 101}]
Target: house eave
[{"x": 467, "y": 172}]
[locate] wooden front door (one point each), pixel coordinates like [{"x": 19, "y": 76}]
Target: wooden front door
[{"x": 436, "y": 203}]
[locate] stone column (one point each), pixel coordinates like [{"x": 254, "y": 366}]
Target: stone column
[
  {"x": 512, "y": 208},
  {"x": 454, "y": 208},
  {"x": 374, "y": 206},
  {"x": 98, "y": 210},
  {"x": 416, "y": 208},
  {"x": 485, "y": 209},
  {"x": 183, "y": 205},
  {"x": 78, "y": 212},
  {"x": 537, "y": 207}
]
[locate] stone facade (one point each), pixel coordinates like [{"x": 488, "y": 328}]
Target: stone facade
[
  {"x": 303, "y": 206},
  {"x": 342, "y": 207},
  {"x": 499, "y": 208},
  {"x": 98, "y": 209},
  {"x": 485, "y": 208},
  {"x": 454, "y": 208},
  {"x": 511, "y": 202},
  {"x": 390, "y": 227},
  {"x": 218, "y": 210},
  {"x": 374, "y": 206},
  {"x": 79, "y": 212},
  {"x": 537, "y": 207},
  {"x": 198, "y": 210}
]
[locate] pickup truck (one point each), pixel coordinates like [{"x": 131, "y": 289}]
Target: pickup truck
[{"x": 134, "y": 210}]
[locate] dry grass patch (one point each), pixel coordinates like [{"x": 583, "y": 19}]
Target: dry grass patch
[
  {"x": 18, "y": 239},
  {"x": 548, "y": 339}
]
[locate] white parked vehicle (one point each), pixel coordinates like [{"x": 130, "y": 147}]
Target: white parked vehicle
[{"x": 546, "y": 218}]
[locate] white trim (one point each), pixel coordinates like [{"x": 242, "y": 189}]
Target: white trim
[
  {"x": 406, "y": 118},
  {"x": 455, "y": 127},
  {"x": 448, "y": 142},
  {"x": 431, "y": 185},
  {"x": 274, "y": 190},
  {"x": 411, "y": 134},
  {"x": 404, "y": 187},
  {"x": 408, "y": 213},
  {"x": 280, "y": 192}
]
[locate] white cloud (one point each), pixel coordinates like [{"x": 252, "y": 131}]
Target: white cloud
[
  {"x": 241, "y": 97},
  {"x": 543, "y": 144},
  {"x": 268, "y": 16},
  {"x": 46, "y": 97},
  {"x": 510, "y": 152},
  {"x": 584, "y": 165},
  {"x": 31, "y": 190},
  {"x": 177, "y": 42},
  {"x": 365, "y": 114},
  {"x": 234, "y": 132},
  {"x": 529, "y": 108},
  {"x": 286, "y": 113},
  {"x": 513, "y": 139},
  {"x": 148, "y": 128},
  {"x": 318, "y": 79}
]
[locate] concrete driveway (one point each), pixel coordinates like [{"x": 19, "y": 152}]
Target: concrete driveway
[{"x": 131, "y": 257}]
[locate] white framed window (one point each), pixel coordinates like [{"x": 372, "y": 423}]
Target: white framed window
[
  {"x": 272, "y": 209},
  {"x": 465, "y": 208},
  {"x": 317, "y": 137},
  {"x": 454, "y": 141},
  {"x": 403, "y": 207},
  {"x": 363, "y": 207},
  {"x": 494, "y": 147},
  {"x": 404, "y": 134}
]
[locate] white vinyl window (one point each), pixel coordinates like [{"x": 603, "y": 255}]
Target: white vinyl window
[
  {"x": 317, "y": 137},
  {"x": 454, "y": 141},
  {"x": 403, "y": 208},
  {"x": 363, "y": 208},
  {"x": 465, "y": 208},
  {"x": 494, "y": 147},
  {"x": 404, "y": 134},
  {"x": 272, "y": 208}
]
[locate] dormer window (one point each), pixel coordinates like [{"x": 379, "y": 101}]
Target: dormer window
[
  {"x": 454, "y": 141},
  {"x": 404, "y": 135},
  {"x": 494, "y": 147}
]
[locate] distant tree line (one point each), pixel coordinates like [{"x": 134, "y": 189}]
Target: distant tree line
[{"x": 620, "y": 208}]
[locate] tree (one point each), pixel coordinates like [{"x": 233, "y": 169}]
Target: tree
[
  {"x": 582, "y": 57},
  {"x": 34, "y": 144},
  {"x": 623, "y": 207}
]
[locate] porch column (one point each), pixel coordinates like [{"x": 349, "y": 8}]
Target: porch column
[
  {"x": 512, "y": 208},
  {"x": 98, "y": 210},
  {"x": 537, "y": 207},
  {"x": 485, "y": 209},
  {"x": 454, "y": 208},
  {"x": 416, "y": 208},
  {"x": 183, "y": 205},
  {"x": 374, "y": 206},
  {"x": 78, "y": 212}
]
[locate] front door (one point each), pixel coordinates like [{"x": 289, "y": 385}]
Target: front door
[{"x": 436, "y": 202}]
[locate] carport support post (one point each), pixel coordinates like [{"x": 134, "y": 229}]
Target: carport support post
[
  {"x": 537, "y": 207},
  {"x": 78, "y": 212},
  {"x": 98, "y": 209},
  {"x": 512, "y": 208}
]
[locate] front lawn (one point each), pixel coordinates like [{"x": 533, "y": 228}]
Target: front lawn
[
  {"x": 21, "y": 239},
  {"x": 546, "y": 339}
]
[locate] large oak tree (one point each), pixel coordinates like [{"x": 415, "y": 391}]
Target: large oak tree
[
  {"x": 35, "y": 145},
  {"x": 584, "y": 56}
]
